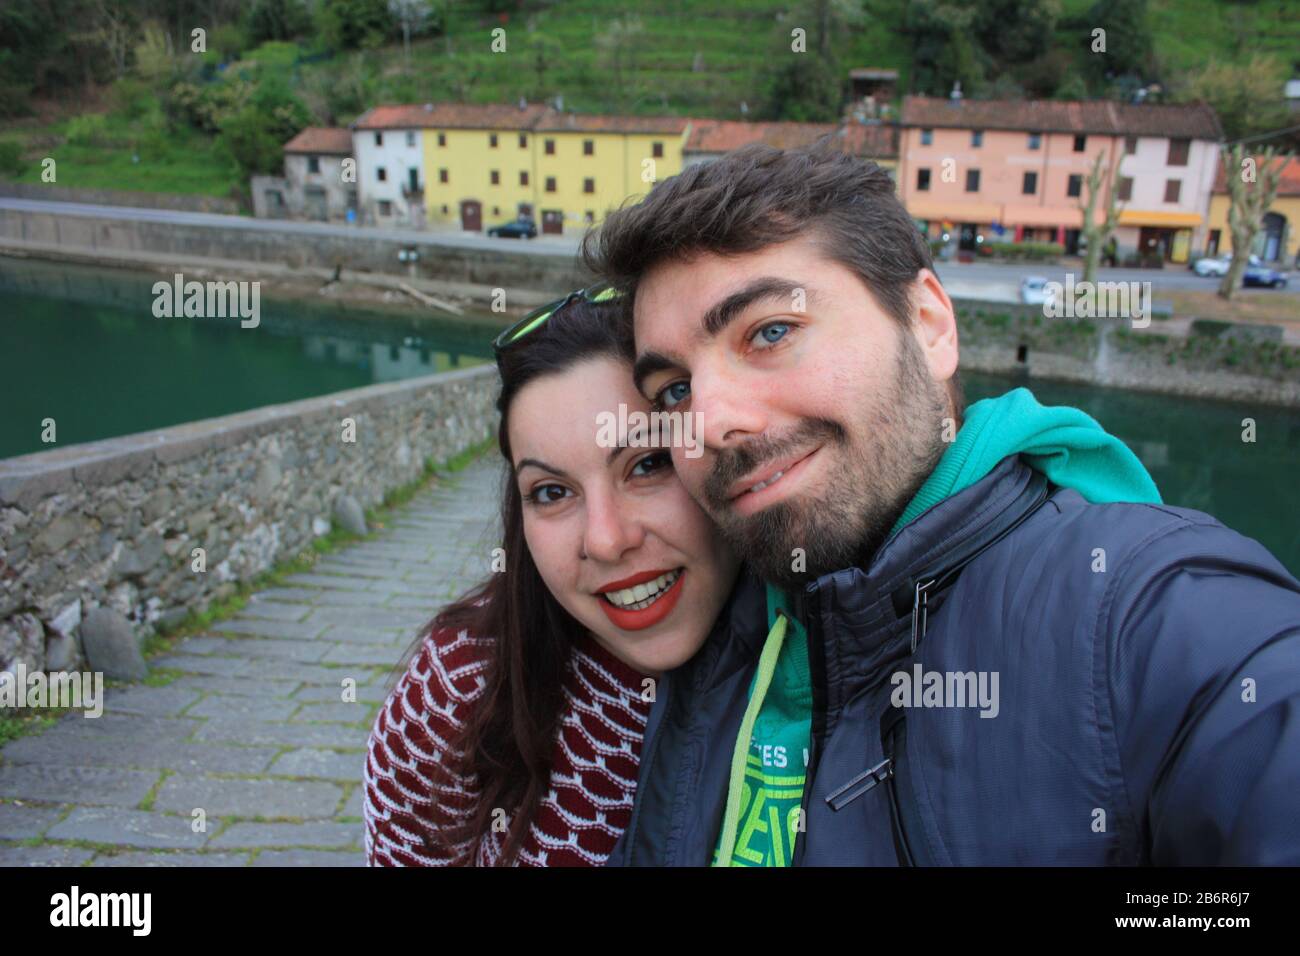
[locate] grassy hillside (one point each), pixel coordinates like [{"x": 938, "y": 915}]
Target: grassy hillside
[{"x": 686, "y": 57}]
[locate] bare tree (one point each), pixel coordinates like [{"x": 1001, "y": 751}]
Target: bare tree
[
  {"x": 618, "y": 44},
  {"x": 1252, "y": 186},
  {"x": 112, "y": 28},
  {"x": 412, "y": 15},
  {"x": 1096, "y": 232}
]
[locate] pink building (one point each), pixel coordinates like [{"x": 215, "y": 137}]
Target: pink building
[{"x": 1014, "y": 170}]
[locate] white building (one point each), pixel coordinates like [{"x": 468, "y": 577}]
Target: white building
[
  {"x": 316, "y": 183},
  {"x": 387, "y": 142}
]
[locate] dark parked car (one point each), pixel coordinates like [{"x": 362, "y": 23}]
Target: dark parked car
[
  {"x": 1262, "y": 275},
  {"x": 519, "y": 229}
]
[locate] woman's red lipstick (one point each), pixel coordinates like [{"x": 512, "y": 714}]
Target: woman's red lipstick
[{"x": 637, "y": 620}]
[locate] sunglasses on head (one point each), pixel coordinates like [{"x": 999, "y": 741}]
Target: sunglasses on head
[{"x": 600, "y": 292}]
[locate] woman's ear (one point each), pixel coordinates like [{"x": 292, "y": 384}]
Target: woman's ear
[{"x": 935, "y": 325}]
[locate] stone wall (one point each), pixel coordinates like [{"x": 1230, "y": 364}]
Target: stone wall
[
  {"x": 1243, "y": 364},
  {"x": 295, "y": 244},
  {"x": 120, "y": 197},
  {"x": 114, "y": 524}
]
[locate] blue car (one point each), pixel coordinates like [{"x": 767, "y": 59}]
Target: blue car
[
  {"x": 1263, "y": 276},
  {"x": 519, "y": 229}
]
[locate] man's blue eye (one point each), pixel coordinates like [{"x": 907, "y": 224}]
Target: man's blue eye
[
  {"x": 774, "y": 332},
  {"x": 674, "y": 393}
]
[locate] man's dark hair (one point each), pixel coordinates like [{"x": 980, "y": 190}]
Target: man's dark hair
[{"x": 757, "y": 196}]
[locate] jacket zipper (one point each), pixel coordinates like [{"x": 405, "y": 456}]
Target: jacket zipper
[
  {"x": 799, "y": 837},
  {"x": 901, "y": 846},
  {"x": 648, "y": 755}
]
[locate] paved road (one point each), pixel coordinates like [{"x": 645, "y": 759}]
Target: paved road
[
  {"x": 564, "y": 246},
  {"x": 1168, "y": 279},
  {"x": 252, "y": 729},
  {"x": 994, "y": 274}
]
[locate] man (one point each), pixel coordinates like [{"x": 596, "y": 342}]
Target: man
[{"x": 987, "y": 641}]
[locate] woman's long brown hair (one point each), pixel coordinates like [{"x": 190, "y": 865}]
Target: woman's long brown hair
[{"x": 509, "y": 739}]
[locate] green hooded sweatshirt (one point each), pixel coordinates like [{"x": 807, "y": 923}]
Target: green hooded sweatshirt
[{"x": 769, "y": 764}]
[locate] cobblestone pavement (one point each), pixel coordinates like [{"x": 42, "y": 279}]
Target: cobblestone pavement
[{"x": 252, "y": 730}]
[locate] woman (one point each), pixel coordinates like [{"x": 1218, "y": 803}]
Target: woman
[{"x": 513, "y": 736}]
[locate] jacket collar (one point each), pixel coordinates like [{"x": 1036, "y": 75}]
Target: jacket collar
[
  {"x": 860, "y": 620},
  {"x": 845, "y": 611}
]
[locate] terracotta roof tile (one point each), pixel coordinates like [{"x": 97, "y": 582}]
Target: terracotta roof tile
[
  {"x": 553, "y": 121},
  {"x": 332, "y": 140},
  {"x": 1107, "y": 117},
  {"x": 721, "y": 136},
  {"x": 1288, "y": 184},
  {"x": 504, "y": 116}
]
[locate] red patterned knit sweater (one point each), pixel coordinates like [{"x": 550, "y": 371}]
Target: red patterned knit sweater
[{"x": 593, "y": 775}]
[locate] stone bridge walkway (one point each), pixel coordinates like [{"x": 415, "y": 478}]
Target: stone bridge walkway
[{"x": 251, "y": 729}]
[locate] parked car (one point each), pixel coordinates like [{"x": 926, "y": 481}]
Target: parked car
[
  {"x": 1212, "y": 266},
  {"x": 518, "y": 229},
  {"x": 1263, "y": 276},
  {"x": 1034, "y": 291}
]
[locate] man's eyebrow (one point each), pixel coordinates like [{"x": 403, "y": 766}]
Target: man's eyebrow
[
  {"x": 764, "y": 288},
  {"x": 648, "y": 363},
  {"x": 715, "y": 320}
]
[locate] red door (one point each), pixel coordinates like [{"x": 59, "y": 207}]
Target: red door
[
  {"x": 552, "y": 221},
  {"x": 471, "y": 215}
]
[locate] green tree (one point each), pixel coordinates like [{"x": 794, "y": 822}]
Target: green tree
[
  {"x": 155, "y": 58},
  {"x": 1128, "y": 40},
  {"x": 1013, "y": 31},
  {"x": 1247, "y": 96},
  {"x": 12, "y": 163},
  {"x": 275, "y": 20},
  {"x": 354, "y": 24},
  {"x": 805, "y": 88},
  {"x": 943, "y": 46}
]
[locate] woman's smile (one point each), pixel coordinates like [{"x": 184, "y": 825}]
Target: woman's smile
[{"x": 642, "y": 600}]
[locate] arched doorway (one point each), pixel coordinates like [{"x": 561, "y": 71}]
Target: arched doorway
[
  {"x": 1273, "y": 228},
  {"x": 471, "y": 215}
]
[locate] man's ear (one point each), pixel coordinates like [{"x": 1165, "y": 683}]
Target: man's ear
[{"x": 935, "y": 325}]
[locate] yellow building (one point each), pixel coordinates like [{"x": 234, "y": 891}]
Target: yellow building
[
  {"x": 588, "y": 165},
  {"x": 477, "y": 166},
  {"x": 481, "y": 165},
  {"x": 1279, "y": 236}
]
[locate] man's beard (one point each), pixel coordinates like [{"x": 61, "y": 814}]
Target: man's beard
[{"x": 869, "y": 482}]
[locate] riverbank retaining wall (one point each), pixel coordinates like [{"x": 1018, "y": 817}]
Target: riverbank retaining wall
[
  {"x": 115, "y": 240},
  {"x": 1214, "y": 360},
  {"x": 121, "y": 523}
]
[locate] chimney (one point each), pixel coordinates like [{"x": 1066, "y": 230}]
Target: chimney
[
  {"x": 559, "y": 102},
  {"x": 428, "y": 107},
  {"x": 523, "y": 103},
  {"x": 955, "y": 96}
]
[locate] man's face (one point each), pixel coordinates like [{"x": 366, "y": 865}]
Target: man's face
[{"x": 820, "y": 415}]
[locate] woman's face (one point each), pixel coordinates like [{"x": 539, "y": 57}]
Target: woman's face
[{"x": 655, "y": 574}]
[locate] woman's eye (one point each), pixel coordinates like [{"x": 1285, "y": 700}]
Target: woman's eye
[
  {"x": 772, "y": 333},
  {"x": 653, "y": 463},
  {"x": 674, "y": 393},
  {"x": 541, "y": 494}
]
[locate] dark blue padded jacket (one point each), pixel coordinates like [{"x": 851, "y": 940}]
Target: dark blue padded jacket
[{"x": 1147, "y": 713}]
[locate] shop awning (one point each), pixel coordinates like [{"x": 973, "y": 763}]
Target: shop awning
[
  {"x": 1158, "y": 218},
  {"x": 931, "y": 209},
  {"x": 1071, "y": 217}
]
